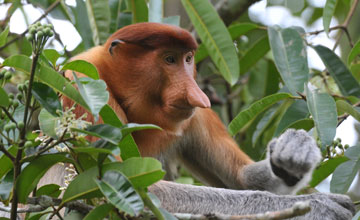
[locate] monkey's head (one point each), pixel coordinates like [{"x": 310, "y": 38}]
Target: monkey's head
[{"x": 150, "y": 70}]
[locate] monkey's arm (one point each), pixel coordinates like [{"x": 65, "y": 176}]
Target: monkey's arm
[
  {"x": 216, "y": 159},
  {"x": 181, "y": 198}
]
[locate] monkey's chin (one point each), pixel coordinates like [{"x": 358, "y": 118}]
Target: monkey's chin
[{"x": 180, "y": 112}]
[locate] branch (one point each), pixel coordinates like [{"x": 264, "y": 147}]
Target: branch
[
  {"x": 231, "y": 10},
  {"x": 37, "y": 204},
  {"x": 48, "y": 10},
  {"x": 7, "y": 153},
  {"x": 298, "y": 209},
  {"x": 346, "y": 23}
]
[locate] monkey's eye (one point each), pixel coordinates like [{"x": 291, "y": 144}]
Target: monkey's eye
[
  {"x": 170, "y": 59},
  {"x": 188, "y": 58}
]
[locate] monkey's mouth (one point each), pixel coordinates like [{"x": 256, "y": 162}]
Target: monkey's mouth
[
  {"x": 183, "y": 107},
  {"x": 181, "y": 111}
]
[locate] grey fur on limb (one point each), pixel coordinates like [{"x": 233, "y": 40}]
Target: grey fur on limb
[
  {"x": 181, "y": 198},
  {"x": 299, "y": 208}
]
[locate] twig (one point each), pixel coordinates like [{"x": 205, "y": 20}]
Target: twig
[
  {"x": 357, "y": 202},
  {"x": 8, "y": 114},
  {"x": 298, "y": 209},
  {"x": 48, "y": 10},
  {"x": 41, "y": 203},
  {"x": 7, "y": 153},
  {"x": 346, "y": 24}
]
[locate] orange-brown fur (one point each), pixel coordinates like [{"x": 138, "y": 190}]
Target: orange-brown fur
[{"x": 144, "y": 89}]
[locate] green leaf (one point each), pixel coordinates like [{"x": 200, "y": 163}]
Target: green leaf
[
  {"x": 355, "y": 70},
  {"x": 94, "y": 93},
  {"x": 47, "y": 98},
  {"x": 99, "y": 212},
  {"x": 328, "y": 13},
  {"x": 119, "y": 192},
  {"x": 155, "y": 11},
  {"x": 4, "y": 98},
  {"x": 3, "y": 36},
  {"x": 52, "y": 55},
  {"x": 127, "y": 145},
  {"x": 345, "y": 173},
  {"x": 115, "y": 6},
  {"x": 46, "y": 75},
  {"x": 255, "y": 53},
  {"x": 99, "y": 16},
  {"x": 305, "y": 124},
  {"x": 142, "y": 172},
  {"x": 114, "y": 134},
  {"x": 322, "y": 107},
  {"x": 337, "y": 69},
  {"x": 290, "y": 57},
  {"x": 82, "y": 23},
  {"x": 298, "y": 110},
  {"x": 91, "y": 150},
  {"x": 215, "y": 37},
  {"x": 254, "y": 110},
  {"x": 5, "y": 163},
  {"x": 355, "y": 51},
  {"x": 33, "y": 172},
  {"x": 325, "y": 169},
  {"x": 49, "y": 190},
  {"x": 109, "y": 116},
  {"x": 139, "y": 10},
  {"x": 84, "y": 67},
  {"x": 48, "y": 123},
  {"x": 346, "y": 107},
  {"x": 235, "y": 31}
]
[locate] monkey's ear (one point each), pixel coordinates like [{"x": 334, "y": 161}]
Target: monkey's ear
[{"x": 114, "y": 43}]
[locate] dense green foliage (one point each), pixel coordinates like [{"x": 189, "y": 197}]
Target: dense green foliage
[{"x": 257, "y": 78}]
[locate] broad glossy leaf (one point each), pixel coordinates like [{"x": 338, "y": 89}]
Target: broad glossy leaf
[
  {"x": 297, "y": 111},
  {"x": 3, "y": 36},
  {"x": 115, "y": 6},
  {"x": 235, "y": 31},
  {"x": 47, "y": 98},
  {"x": 114, "y": 134},
  {"x": 355, "y": 51},
  {"x": 94, "y": 93},
  {"x": 99, "y": 212},
  {"x": 52, "y": 55},
  {"x": 82, "y": 23},
  {"x": 139, "y": 10},
  {"x": 215, "y": 37},
  {"x": 346, "y": 107},
  {"x": 254, "y": 110},
  {"x": 345, "y": 173},
  {"x": 4, "y": 98},
  {"x": 355, "y": 70},
  {"x": 155, "y": 11},
  {"x": 328, "y": 13},
  {"x": 46, "y": 75},
  {"x": 91, "y": 150},
  {"x": 33, "y": 172},
  {"x": 337, "y": 69},
  {"x": 119, "y": 192},
  {"x": 256, "y": 52},
  {"x": 142, "y": 172},
  {"x": 6, "y": 185},
  {"x": 5, "y": 163},
  {"x": 290, "y": 57},
  {"x": 84, "y": 67},
  {"x": 49, "y": 190},
  {"x": 99, "y": 16},
  {"x": 127, "y": 145},
  {"x": 322, "y": 107},
  {"x": 48, "y": 123},
  {"x": 305, "y": 124},
  {"x": 325, "y": 169}
]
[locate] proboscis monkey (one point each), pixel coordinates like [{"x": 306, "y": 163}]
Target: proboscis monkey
[{"x": 150, "y": 73}]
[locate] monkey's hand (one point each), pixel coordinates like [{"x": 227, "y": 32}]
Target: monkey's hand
[
  {"x": 293, "y": 157},
  {"x": 288, "y": 167}
]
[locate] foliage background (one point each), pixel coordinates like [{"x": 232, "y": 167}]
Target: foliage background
[{"x": 253, "y": 72}]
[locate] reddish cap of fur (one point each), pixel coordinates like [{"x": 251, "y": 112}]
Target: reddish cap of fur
[{"x": 155, "y": 35}]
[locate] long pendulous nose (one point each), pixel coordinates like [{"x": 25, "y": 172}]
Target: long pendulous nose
[{"x": 195, "y": 96}]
